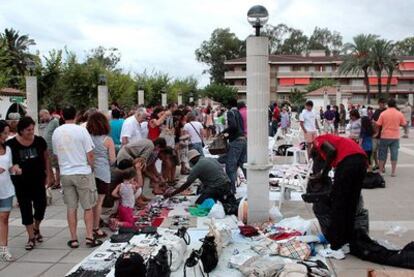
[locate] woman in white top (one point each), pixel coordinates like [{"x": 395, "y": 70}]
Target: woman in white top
[{"x": 6, "y": 190}]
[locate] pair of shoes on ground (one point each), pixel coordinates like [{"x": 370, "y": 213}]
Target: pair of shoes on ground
[
  {"x": 335, "y": 254},
  {"x": 90, "y": 243}
]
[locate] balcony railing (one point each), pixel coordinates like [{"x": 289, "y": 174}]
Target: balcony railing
[
  {"x": 235, "y": 74},
  {"x": 240, "y": 88}
]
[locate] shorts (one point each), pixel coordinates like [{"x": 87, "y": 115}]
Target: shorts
[
  {"x": 79, "y": 188},
  {"x": 126, "y": 215},
  {"x": 310, "y": 137},
  {"x": 102, "y": 187},
  {"x": 392, "y": 144},
  {"x": 6, "y": 204}
]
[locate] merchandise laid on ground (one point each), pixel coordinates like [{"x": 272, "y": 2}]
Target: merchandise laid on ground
[{"x": 204, "y": 239}]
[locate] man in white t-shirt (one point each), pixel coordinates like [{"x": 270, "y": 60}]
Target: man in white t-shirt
[
  {"x": 309, "y": 123},
  {"x": 73, "y": 147},
  {"x": 196, "y": 131},
  {"x": 134, "y": 127}
]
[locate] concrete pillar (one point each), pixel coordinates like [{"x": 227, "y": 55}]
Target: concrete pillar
[
  {"x": 325, "y": 99},
  {"x": 338, "y": 96},
  {"x": 103, "y": 99},
  {"x": 410, "y": 99},
  {"x": 141, "y": 100},
  {"x": 258, "y": 165},
  {"x": 191, "y": 99},
  {"x": 180, "y": 99},
  {"x": 31, "y": 99},
  {"x": 163, "y": 99},
  {"x": 200, "y": 102}
]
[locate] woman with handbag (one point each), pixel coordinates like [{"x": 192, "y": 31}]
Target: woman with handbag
[{"x": 196, "y": 132}]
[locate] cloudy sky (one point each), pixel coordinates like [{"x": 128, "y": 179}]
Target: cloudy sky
[{"x": 162, "y": 35}]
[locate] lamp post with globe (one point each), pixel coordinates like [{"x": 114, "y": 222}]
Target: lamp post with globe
[
  {"x": 258, "y": 80},
  {"x": 103, "y": 94},
  {"x": 31, "y": 92}
]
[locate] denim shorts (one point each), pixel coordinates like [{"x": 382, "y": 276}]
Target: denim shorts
[
  {"x": 6, "y": 204},
  {"x": 392, "y": 144}
]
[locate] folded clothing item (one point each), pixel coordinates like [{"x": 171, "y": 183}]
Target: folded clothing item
[{"x": 248, "y": 231}]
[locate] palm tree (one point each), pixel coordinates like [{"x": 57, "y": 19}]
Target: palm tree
[
  {"x": 17, "y": 48},
  {"x": 391, "y": 65},
  {"x": 379, "y": 58},
  {"x": 357, "y": 58}
]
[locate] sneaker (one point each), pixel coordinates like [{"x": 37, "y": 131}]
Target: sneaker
[
  {"x": 5, "y": 255},
  {"x": 346, "y": 249},
  {"x": 329, "y": 253}
]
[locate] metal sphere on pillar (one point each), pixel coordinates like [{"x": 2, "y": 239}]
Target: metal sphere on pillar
[
  {"x": 31, "y": 92},
  {"x": 257, "y": 17},
  {"x": 258, "y": 98},
  {"x": 103, "y": 94}
]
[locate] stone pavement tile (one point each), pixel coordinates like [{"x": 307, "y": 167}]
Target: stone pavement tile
[
  {"x": 24, "y": 269},
  {"x": 18, "y": 252},
  {"x": 58, "y": 270},
  {"x": 391, "y": 268},
  {"x": 76, "y": 255},
  {"x": 18, "y": 242},
  {"x": 47, "y": 232},
  {"x": 352, "y": 262},
  {"x": 351, "y": 273},
  {"x": 15, "y": 231},
  {"x": 44, "y": 255}
]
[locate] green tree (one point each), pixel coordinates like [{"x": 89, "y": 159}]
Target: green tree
[
  {"x": 324, "y": 39},
  {"x": 295, "y": 44},
  {"x": 357, "y": 58},
  {"x": 108, "y": 58},
  {"x": 405, "y": 47},
  {"x": 379, "y": 57},
  {"x": 223, "y": 45},
  {"x": 152, "y": 85},
  {"x": 315, "y": 84},
  {"x": 16, "y": 54},
  {"x": 220, "y": 93},
  {"x": 297, "y": 98},
  {"x": 391, "y": 65},
  {"x": 285, "y": 40}
]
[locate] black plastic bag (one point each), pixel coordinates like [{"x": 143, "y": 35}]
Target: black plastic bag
[{"x": 159, "y": 265}]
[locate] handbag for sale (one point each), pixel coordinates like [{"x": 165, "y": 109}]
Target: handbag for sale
[
  {"x": 193, "y": 261},
  {"x": 159, "y": 265},
  {"x": 209, "y": 255},
  {"x": 177, "y": 246},
  {"x": 218, "y": 146}
]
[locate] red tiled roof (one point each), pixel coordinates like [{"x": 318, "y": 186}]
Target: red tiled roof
[
  {"x": 11, "y": 92},
  {"x": 305, "y": 59},
  {"x": 331, "y": 91}
]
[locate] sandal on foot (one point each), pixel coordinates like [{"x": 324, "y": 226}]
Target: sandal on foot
[
  {"x": 73, "y": 243},
  {"x": 38, "y": 236},
  {"x": 31, "y": 243},
  {"x": 98, "y": 233},
  {"x": 92, "y": 242}
]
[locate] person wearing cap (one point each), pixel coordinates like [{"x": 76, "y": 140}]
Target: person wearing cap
[{"x": 214, "y": 182}]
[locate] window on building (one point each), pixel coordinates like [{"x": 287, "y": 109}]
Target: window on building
[
  {"x": 319, "y": 68},
  {"x": 243, "y": 68},
  {"x": 296, "y": 68}
]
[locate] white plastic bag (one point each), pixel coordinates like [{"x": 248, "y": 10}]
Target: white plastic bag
[
  {"x": 213, "y": 231},
  {"x": 225, "y": 233},
  {"x": 177, "y": 246},
  {"x": 217, "y": 211},
  {"x": 297, "y": 223},
  {"x": 275, "y": 214}
]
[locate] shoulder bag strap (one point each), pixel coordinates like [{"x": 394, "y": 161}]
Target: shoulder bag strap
[{"x": 196, "y": 131}]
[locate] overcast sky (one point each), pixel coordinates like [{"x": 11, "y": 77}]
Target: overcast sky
[{"x": 162, "y": 35}]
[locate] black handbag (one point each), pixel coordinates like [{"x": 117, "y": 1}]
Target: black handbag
[
  {"x": 159, "y": 265},
  {"x": 209, "y": 255},
  {"x": 218, "y": 146},
  {"x": 182, "y": 233}
]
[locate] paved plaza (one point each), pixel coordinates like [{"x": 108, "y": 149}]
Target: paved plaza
[{"x": 392, "y": 206}]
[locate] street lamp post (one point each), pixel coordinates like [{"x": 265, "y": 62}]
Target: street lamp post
[
  {"x": 103, "y": 94},
  {"x": 257, "y": 102},
  {"x": 31, "y": 93},
  {"x": 325, "y": 98},
  {"x": 141, "y": 95},
  {"x": 338, "y": 95},
  {"x": 410, "y": 97},
  {"x": 191, "y": 97}
]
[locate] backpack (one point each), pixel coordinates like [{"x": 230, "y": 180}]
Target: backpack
[
  {"x": 373, "y": 180},
  {"x": 159, "y": 265}
]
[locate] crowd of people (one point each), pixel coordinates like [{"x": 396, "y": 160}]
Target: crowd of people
[{"x": 93, "y": 155}]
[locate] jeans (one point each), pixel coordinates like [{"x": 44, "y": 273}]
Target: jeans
[
  {"x": 273, "y": 128},
  {"x": 235, "y": 158},
  {"x": 393, "y": 144},
  {"x": 197, "y": 146}
]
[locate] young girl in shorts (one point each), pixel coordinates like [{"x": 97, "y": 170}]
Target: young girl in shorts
[
  {"x": 127, "y": 192},
  {"x": 6, "y": 190}
]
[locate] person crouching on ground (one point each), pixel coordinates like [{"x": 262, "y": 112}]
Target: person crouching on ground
[
  {"x": 350, "y": 163},
  {"x": 214, "y": 181},
  {"x": 127, "y": 192}
]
